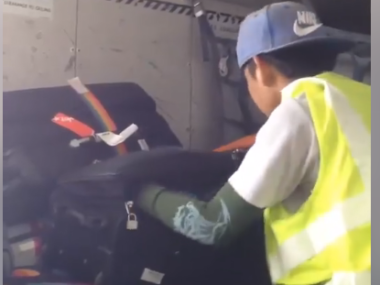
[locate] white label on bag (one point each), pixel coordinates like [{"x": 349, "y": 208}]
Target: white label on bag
[
  {"x": 143, "y": 145},
  {"x": 25, "y": 246},
  {"x": 77, "y": 85},
  {"x": 152, "y": 276},
  {"x": 109, "y": 138},
  {"x": 113, "y": 139},
  {"x": 129, "y": 131}
]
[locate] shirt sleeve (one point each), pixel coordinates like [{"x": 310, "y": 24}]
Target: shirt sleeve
[
  {"x": 217, "y": 222},
  {"x": 277, "y": 162}
]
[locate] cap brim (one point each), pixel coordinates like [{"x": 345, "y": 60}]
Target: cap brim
[{"x": 334, "y": 44}]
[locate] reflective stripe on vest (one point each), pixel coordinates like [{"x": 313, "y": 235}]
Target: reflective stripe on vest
[
  {"x": 351, "y": 278},
  {"x": 347, "y": 213}
]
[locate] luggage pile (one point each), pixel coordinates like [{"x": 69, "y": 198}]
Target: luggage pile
[{"x": 67, "y": 212}]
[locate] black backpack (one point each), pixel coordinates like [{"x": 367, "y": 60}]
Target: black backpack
[{"x": 90, "y": 238}]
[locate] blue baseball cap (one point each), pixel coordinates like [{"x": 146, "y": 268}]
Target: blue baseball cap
[{"x": 283, "y": 25}]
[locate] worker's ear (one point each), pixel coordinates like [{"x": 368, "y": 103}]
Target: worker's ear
[{"x": 264, "y": 72}]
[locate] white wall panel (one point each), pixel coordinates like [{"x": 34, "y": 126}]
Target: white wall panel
[
  {"x": 38, "y": 52},
  {"x": 121, "y": 42}
]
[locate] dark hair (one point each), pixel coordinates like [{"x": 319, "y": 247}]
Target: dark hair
[{"x": 298, "y": 62}]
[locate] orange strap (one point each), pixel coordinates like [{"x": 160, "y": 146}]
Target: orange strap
[{"x": 244, "y": 143}]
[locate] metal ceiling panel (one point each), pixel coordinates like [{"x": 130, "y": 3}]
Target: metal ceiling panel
[{"x": 349, "y": 15}]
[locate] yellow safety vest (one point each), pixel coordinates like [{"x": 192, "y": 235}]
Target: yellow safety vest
[{"x": 329, "y": 238}]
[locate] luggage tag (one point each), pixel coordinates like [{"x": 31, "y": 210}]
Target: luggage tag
[
  {"x": 77, "y": 127},
  {"x": 132, "y": 223},
  {"x": 113, "y": 139},
  {"x": 143, "y": 144}
]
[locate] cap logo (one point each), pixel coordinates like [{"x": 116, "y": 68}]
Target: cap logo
[{"x": 306, "y": 23}]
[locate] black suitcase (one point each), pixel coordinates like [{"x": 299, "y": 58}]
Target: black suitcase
[
  {"x": 90, "y": 235},
  {"x": 154, "y": 255}
]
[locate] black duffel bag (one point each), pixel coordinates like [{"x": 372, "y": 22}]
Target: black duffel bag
[
  {"x": 90, "y": 235},
  {"x": 39, "y": 151},
  {"x": 25, "y": 190}
]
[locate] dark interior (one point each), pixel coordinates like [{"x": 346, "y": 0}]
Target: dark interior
[{"x": 349, "y": 15}]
